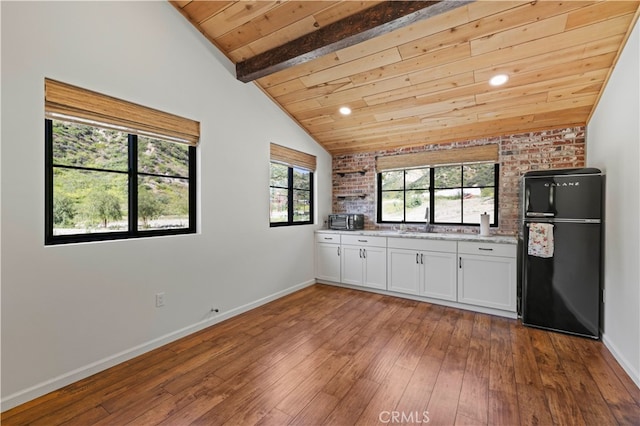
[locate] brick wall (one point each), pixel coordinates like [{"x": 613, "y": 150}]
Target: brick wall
[{"x": 551, "y": 149}]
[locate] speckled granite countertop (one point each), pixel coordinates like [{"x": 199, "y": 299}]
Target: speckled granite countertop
[{"x": 504, "y": 239}]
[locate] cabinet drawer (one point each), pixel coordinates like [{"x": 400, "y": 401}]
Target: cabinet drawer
[
  {"x": 487, "y": 249},
  {"x": 422, "y": 244},
  {"x": 328, "y": 238},
  {"x": 364, "y": 240}
]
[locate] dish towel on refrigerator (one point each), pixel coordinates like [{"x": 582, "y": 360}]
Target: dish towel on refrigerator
[{"x": 540, "y": 239}]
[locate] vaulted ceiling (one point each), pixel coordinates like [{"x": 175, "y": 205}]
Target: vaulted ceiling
[{"x": 415, "y": 75}]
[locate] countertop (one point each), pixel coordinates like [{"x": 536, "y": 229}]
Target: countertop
[{"x": 503, "y": 239}]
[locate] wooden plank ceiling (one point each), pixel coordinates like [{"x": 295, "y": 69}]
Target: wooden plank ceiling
[{"x": 427, "y": 82}]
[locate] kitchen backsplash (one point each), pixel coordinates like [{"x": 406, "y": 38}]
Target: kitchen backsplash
[{"x": 551, "y": 149}]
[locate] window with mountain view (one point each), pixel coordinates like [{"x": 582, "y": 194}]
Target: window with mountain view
[
  {"x": 291, "y": 190},
  {"x": 109, "y": 184},
  {"x": 448, "y": 195}
]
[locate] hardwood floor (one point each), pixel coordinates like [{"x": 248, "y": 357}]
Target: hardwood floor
[{"x": 327, "y": 355}]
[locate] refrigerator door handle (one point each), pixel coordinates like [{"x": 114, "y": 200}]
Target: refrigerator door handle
[{"x": 540, "y": 214}]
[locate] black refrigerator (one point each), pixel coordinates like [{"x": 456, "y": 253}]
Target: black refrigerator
[{"x": 562, "y": 250}]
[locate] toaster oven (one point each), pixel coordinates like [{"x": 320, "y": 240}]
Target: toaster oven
[{"x": 346, "y": 221}]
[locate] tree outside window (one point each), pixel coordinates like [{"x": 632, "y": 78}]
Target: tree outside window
[{"x": 108, "y": 184}]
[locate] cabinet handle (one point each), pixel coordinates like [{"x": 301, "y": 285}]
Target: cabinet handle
[
  {"x": 417, "y": 254},
  {"x": 328, "y": 238},
  {"x": 364, "y": 253},
  {"x": 338, "y": 251},
  {"x": 360, "y": 251},
  {"x": 485, "y": 249},
  {"x": 421, "y": 259},
  {"x": 460, "y": 262},
  {"x": 363, "y": 241}
]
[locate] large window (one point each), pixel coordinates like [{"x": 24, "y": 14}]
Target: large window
[
  {"x": 107, "y": 184},
  {"x": 115, "y": 169},
  {"x": 451, "y": 195},
  {"x": 291, "y": 191}
]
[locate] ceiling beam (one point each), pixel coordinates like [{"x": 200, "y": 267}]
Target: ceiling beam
[{"x": 375, "y": 21}]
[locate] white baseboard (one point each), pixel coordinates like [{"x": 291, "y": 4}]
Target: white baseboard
[
  {"x": 624, "y": 363},
  {"x": 55, "y": 383}
]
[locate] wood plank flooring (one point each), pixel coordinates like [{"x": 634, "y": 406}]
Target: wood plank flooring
[{"x": 335, "y": 356}]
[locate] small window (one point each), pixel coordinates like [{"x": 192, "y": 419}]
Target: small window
[
  {"x": 447, "y": 195},
  {"x": 107, "y": 184},
  {"x": 291, "y": 197}
]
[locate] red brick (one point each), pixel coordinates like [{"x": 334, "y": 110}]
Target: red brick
[{"x": 555, "y": 148}]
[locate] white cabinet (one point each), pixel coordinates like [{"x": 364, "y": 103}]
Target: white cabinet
[
  {"x": 364, "y": 261},
  {"x": 404, "y": 272},
  {"x": 328, "y": 257},
  {"x": 440, "y": 276},
  {"x": 422, "y": 267},
  {"x": 487, "y": 275},
  {"x": 466, "y": 274}
]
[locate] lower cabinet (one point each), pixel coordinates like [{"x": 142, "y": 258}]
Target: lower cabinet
[
  {"x": 364, "y": 264},
  {"x": 471, "y": 273},
  {"x": 404, "y": 270},
  {"x": 440, "y": 276},
  {"x": 328, "y": 261},
  {"x": 328, "y": 257},
  {"x": 487, "y": 275},
  {"x": 422, "y": 267}
]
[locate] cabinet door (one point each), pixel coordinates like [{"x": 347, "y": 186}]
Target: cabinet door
[
  {"x": 487, "y": 281},
  {"x": 328, "y": 262},
  {"x": 403, "y": 271},
  {"x": 440, "y": 275},
  {"x": 375, "y": 267},
  {"x": 352, "y": 265}
]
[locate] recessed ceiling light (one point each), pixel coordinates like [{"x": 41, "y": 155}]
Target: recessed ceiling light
[
  {"x": 499, "y": 80},
  {"x": 345, "y": 110}
]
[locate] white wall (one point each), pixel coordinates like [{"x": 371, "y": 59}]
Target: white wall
[
  {"x": 613, "y": 140},
  {"x": 68, "y": 311}
]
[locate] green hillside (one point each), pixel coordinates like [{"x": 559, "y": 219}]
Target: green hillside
[{"x": 97, "y": 200}]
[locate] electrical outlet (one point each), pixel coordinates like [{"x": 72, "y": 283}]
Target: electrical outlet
[{"x": 159, "y": 300}]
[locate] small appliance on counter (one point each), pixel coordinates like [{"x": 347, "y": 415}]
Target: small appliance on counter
[
  {"x": 561, "y": 256},
  {"x": 346, "y": 221}
]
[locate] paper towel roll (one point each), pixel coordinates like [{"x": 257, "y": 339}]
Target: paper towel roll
[{"x": 484, "y": 225}]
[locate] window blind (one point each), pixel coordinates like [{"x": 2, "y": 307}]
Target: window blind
[
  {"x": 433, "y": 158},
  {"x": 70, "y": 103},
  {"x": 293, "y": 158}
]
